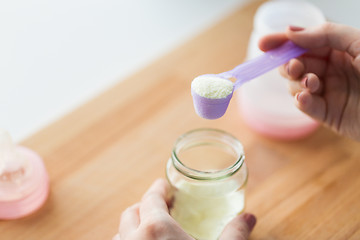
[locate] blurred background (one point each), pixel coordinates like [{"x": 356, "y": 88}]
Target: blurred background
[{"x": 56, "y": 55}]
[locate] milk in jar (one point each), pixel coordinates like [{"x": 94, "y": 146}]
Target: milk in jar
[{"x": 208, "y": 175}]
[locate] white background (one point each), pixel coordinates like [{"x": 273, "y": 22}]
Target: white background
[{"x": 56, "y": 55}]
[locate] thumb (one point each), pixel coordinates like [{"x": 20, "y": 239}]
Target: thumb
[
  {"x": 239, "y": 228},
  {"x": 340, "y": 37}
]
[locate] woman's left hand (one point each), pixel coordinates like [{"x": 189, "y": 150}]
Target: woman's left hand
[{"x": 150, "y": 219}]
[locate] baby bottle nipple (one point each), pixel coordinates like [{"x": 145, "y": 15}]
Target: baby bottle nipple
[
  {"x": 24, "y": 183},
  {"x": 12, "y": 163}
]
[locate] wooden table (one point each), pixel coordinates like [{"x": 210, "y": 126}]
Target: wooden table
[{"x": 103, "y": 156}]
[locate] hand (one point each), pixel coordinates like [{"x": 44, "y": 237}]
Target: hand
[
  {"x": 150, "y": 219},
  {"x": 325, "y": 80}
]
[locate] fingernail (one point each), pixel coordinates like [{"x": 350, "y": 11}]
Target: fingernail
[
  {"x": 295, "y": 28},
  {"x": 288, "y": 68},
  {"x": 303, "y": 98},
  {"x": 305, "y": 82},
  {"x": 250, "y": 220}
]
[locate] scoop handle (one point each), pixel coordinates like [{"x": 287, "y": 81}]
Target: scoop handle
[{"x": 265, "y": 62}]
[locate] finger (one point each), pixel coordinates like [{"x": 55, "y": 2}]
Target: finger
[
  {"x": 309, "y": 82},
  {"x": 116, "y": 237},
  {"x": 312, "y": 83},
  {"x": 154, "y": 201},
  {"x": 294, "y": 69},
  {"x": 271, "y": 41},
  {"x": 129, "y": 220},
  {"x": 337, "y": 36},
  {"x": 239, "y": 228},
  {"x": 297, "y": 67},
  {"x": 160, "y": 187},
  {"x": 311, "y": 104},
  {"x": 274, "y": 40}
]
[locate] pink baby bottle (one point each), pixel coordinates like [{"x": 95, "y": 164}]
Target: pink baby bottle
[
  {"x": 266, "y": 105},
  {"x": 24, "y": 182}
]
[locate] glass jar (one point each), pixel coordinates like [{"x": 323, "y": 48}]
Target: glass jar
[
  {"x": 208, "y": 175},
  {"x": 265, "y": 102}
]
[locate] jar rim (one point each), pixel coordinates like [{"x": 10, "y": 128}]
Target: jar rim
[{"x": 207, "y": 175}]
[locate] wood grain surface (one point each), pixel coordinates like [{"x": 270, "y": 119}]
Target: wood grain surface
[{"x": 103, "y": 156}]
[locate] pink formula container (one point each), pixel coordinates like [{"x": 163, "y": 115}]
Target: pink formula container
[{"x": 265, "y": 102}]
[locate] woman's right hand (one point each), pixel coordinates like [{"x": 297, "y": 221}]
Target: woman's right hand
[{"x": 325, "y": 80}]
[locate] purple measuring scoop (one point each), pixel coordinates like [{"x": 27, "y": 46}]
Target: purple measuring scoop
[{"x": 211, "y": 108}]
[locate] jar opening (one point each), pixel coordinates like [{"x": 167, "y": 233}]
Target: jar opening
[{"x": 207, "y": 154}]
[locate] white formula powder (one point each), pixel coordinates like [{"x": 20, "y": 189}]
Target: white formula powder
[
  {"x": 203, "y": 210},
  {"x": 212, "y": 87}
]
